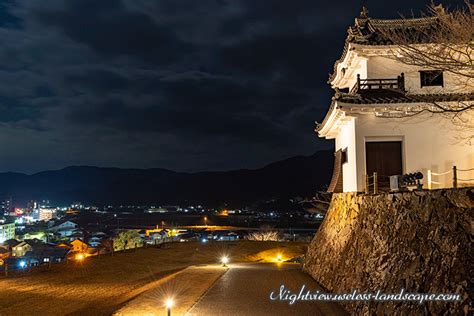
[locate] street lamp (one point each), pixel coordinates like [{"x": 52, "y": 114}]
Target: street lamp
[
  {"x": 279, "y": 257},
  {"x": 118, "y": 220},
  {"x": 169, "y": 303},
  {"x": 205, "y": 220},
  {"x": 224, "y": 261},
  {"x": 80, "y": 257}
]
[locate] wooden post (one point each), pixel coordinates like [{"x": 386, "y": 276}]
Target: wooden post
[
  {"x": 376, "y": 185},
  {"x": 366, "y": 184},
  {"x": 6, "y": 269},
  {"x": 358, "y": 82},
  {"x": 455, "y": 177},
  {"x": 429, "y": 179}
]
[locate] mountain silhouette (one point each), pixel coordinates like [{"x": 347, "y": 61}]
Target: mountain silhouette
[{"x": 295, "y": 176}]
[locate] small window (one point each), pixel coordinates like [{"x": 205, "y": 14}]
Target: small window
[
  {"x": 431, "y": 78},
  {"x": 344, "y": 156}
]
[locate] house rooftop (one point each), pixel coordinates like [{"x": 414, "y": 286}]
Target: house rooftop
[
  {"x": 6, "y": 220},
  {"x": 34, "y": 242},
  {"x": 62, "y": 221},
  {"x": 11, "y": 242}
]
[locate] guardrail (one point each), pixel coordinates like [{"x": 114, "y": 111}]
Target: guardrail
[
  {"x": 455, "y": 177},
  {"x": 379, "y": 84},
  {"x": 375, "y": 183}
]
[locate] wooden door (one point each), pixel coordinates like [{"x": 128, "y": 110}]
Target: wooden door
[{"x": 385, "y": 158}]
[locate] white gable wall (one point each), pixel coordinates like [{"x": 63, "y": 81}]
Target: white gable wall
[
  {"x": 377, "y": 63},
  {"x": 428, "y": 142},
  {"x": 347, "y": 139},
  {"x": 358, "y": 65},
  {"x": 380, "y": 67}
]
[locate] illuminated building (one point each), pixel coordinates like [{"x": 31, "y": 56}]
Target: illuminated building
[
  {"x": 380, "y": 116},
  {"x": 7, "y": 230}
]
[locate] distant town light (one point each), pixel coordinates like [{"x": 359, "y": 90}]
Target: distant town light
[
  {"x": 204, "y": 240},
  {"x": 22, "y": 264}
]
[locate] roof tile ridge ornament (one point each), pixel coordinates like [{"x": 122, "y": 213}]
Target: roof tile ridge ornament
[
  {"x": 340, "y": 95},
  {"x": 337, "y": 94},
  {"x": 439, "y": 9},
  {"x": 362, "y": 19},
  {"x": 364, "y": 13}
]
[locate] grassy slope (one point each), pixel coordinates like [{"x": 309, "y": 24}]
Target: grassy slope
[{"x": 101, "y": 284}]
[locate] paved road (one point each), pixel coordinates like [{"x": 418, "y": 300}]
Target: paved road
[{"x": 245, "y": 290}]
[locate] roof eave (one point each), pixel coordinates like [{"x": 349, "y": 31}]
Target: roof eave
[{"x": 325, "y": 129}]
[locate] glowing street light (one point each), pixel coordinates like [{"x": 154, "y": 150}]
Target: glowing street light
[
  {"x": 279, "y": 257},
  {"x": 22, "y": 264},
  {"x": 224, "y": 261},
  {"x": 169, "y": 303},
  {"x": 80, "y": 257},
  {"x": 205, "y": 220}
]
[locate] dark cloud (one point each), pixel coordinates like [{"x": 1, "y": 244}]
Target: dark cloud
[
  {"x": 110, "y": 29},
  {"x": 95, "y": 80},
  {"x": 182, "y": 84},
  {"x": 8, "y": 20}
]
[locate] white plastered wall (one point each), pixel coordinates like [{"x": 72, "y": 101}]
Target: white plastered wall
[
  {"x": 428, "y": 142},
  {"x": 379, "y": 67},
  {"x": 347, "y": 139}
]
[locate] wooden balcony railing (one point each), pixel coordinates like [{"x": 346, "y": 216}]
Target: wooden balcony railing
[{"x": 397, "y": 84}]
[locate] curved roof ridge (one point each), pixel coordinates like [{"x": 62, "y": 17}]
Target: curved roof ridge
[
  {"x": 420, "y": 20},
  {"x": 370, "y": 31}
]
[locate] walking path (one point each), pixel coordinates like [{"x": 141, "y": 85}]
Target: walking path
[
  {"x": 184, "y": 287},
  {"x": 241, "y": 289}
]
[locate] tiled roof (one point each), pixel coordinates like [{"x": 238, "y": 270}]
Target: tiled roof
[
  {"x": 11, "y": 242},
  {"x": 388, "y": 96},
  {"x": 369, "y": 31}
]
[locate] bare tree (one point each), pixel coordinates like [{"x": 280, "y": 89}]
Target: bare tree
[
  {"x": 440, "y": 40},
  {"x": 444, "y": 42},
  {"x": 318, "y": 203},
  {"x": 268, "y": 235}
]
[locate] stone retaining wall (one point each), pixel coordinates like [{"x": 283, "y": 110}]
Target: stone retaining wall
[{"x": 420, "y": 241}]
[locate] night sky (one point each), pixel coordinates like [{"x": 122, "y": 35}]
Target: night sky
[{"x": 185, "y": 85}]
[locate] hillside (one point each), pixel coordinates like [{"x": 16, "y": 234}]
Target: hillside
[
  {"x": 100, "y": 285},
  {"x": 296, "y": 176}
]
